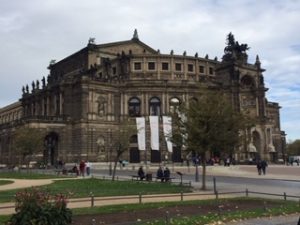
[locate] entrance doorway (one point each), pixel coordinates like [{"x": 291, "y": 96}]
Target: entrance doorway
[
  {"x": 155, "y": 156},
  {"x": 134, "y": 153},
  {"x": 51, "y": 149}
]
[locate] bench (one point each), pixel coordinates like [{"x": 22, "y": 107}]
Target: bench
[
  {"x": 60, "y": 171},
  {"x": 135, "y": 177},
  {"x": 64, "y": 172},
  {"x": 148, "y": 177},
  {"x": 163, "y": 179}
]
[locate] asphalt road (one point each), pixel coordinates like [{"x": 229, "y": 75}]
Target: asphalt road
[{"x": 229, "y": 183}]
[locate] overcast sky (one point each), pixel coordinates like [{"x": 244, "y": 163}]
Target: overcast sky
[{"x": 33, "y": 32}]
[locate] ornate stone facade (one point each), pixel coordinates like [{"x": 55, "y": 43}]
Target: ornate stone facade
[{"x": 87, "y": 94}]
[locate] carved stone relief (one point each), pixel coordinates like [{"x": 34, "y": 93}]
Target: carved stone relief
[{"x": 102, "y": 106}]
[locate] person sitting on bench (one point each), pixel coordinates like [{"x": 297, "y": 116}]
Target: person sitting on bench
[
  {"x": 160, "y": 174},
  {"x": 167, "y": 174},
  {"x": 141, "y": 173}
]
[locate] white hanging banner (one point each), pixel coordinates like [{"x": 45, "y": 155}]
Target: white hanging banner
[
  {"x": 141, "y": 132},
  {"x": 154, "y": 128},
  {"x": 167, "y": 126}
]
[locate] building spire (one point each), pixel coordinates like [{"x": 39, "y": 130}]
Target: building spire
[{"x": 135, "y": 35}]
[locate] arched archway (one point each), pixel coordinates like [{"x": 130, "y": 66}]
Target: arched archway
[{"x": 51, "y": 148}]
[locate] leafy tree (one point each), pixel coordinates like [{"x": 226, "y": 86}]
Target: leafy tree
[
  {"x": 27, "y": 142},
  {"x": 293, "y": 148},
  {"x": 207, "y": 124},
  {"x": 121, "y": 141}
]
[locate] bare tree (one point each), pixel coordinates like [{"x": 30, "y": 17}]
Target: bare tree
[
  {"x": 121, "y": 141},
  {"x": 27, "y": 142}
]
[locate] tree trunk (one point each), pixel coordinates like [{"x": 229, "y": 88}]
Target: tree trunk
[
  {"x": 197, "y": 173},
  {"x": 203, "y": 173},
  {"x": 114, "y": 170},
  {"x": 115, "y": 166}
]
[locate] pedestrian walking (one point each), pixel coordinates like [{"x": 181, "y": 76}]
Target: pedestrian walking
[
  {"x": 88, "y": 168},
  {"x": 82, "y": 168},
  {"x": 258, "y": 166},
  {"x": 264, "y": 165}
]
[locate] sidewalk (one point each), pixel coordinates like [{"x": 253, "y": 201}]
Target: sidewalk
[{"x": 281, "y": 172}]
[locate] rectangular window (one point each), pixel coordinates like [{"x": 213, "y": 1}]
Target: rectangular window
[
  {"x": 190, "y": 67},
  {"x": 137, "y": 66},
  {"x": 201, "y": 69},
  {"x": 165, "y": 66},
  {"x": 211, "y": 71},
  {"x": 178, "y": 66},
  {"x": 151, "y": 65}
]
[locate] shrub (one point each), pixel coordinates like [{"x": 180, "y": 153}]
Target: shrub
[{"x": 37, "y": 207}]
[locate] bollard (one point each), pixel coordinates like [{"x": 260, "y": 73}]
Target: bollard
[
  {"x": 215, "y": 187},
  {"x": 181, "y": 195},
  {"x": 140, "y": 198},
  {"x": 284, "y": 196},
  {"x": 92, "y": 200},
  {"x": 247, "y": 192},
  {"x": 265, "y": 206}
]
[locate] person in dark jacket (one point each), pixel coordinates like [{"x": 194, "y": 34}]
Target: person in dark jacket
[
  {"x": 264, "y": 165},
  {"x": 259, "y": 167},
  {"x": 141, "y": 173},
  {"x": 160, "y": 174},
  {"x": 167, "y": 174}
]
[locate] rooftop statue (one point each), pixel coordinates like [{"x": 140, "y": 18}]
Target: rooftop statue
[
  {"x": 234, "y": 50},
  {"x": 135, "y": 35},
  {"x": 43, "y": 82},
  {"x": 91, "y": 40}
]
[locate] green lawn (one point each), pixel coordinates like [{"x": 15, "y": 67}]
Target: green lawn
[
  {"x": 84, "y": 188},
  {"x": 26, "y": 175},
  {"x": 4, "y": 182}
]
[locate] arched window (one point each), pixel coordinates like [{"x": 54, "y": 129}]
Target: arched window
[
  {"x": 247, "y": 81},
  {"x": 134, "y": 107},
  {"x": 174, "y": 105},
  {"x": 154, "y": 106},
  {"x": 133, "y": 139}
]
